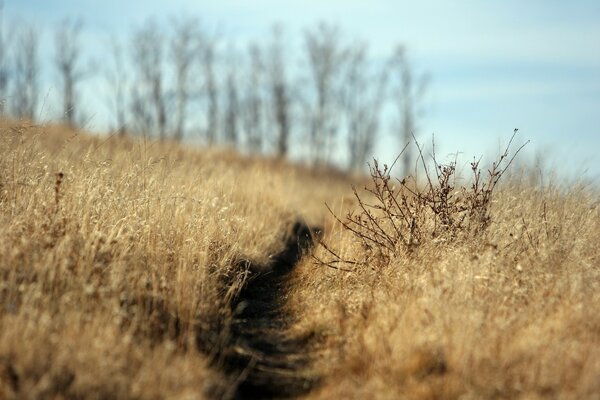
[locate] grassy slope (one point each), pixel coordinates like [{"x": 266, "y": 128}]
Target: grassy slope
[
  {"x": 511, "y": 313},
  {"x": 106, "y": 277},
  {"x": 107, "y": 273}
]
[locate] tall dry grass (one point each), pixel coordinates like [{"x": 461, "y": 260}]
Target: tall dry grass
[
  {"x": 509, "y": 311},
  {"x": 113, "y": 254}
]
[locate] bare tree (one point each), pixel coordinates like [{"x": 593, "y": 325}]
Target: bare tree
[
  {"x": 409, "y": 92},
  {"x": 67, "y": 59},
  {"x": 231, "y": 102},
  {"x": 208, "y": 60},
  {"x": 117, "y": 81},
  {"x": 26, "y": 73},
  {"x": 141, "y": 113},
  {"x": 149, "y": 97},
  {"x": 279, "y": 91},
  {"x": 325, "y": 56},
  {"x": 253, "y": 102},
  {"x": 363, "y": 97},
  {"x": 4, "y": 64},
  {"x": 184, "y": 46}
]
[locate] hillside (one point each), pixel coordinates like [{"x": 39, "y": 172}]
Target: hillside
[{"x": 132, "y": 268}]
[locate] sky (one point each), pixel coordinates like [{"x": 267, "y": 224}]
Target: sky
[{"x": 494, "y": 66}]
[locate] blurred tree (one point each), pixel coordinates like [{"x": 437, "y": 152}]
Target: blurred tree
[
  {"x": 253, "y": 103},
  {"x": 408, "y": 92},
  {"x": 149, "y": 96},
  {"x": 280, "y": 101},
  {"x": 208, "y": 53},
  {"x": 117, "y": 78},
  {"x": 4, "y": 64},
  {"x": 184, "y": 48},
  {"x": 363, "y": 97},
  {"x": 326, "y": 57},
  {"x": 67, "y": 59},
  {"x": 231, "y": 101},
  {"x": 25, "y": 94}
]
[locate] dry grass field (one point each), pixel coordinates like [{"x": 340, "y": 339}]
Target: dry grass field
[{"x": 120, "y": 258}]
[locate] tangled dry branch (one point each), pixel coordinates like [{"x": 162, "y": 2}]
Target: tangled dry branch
[{"x": 399, "y": 215}]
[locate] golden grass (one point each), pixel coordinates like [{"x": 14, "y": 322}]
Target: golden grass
[
  {"x": 108, "y": 274},
  {"x": 511, "y": 313}
]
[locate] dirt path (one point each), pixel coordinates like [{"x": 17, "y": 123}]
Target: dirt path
[{"x": 267, "y": 361}]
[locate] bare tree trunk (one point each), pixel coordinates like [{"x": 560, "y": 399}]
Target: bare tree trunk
[
  {"x": 282, "y": 105},
  {"x": 141, "y": 112},
  {"x": 279, "y": 88},
  {"x": 409, "y": 93},
  {"x": 212, "y": 95},
  {"x": 363, "y": 97},
  {"x": 161, "y": 112},
  {"x": 326, "y": 57},
  {"x": 67, "y": 58},
  {"x": 231, "y": 104},
  {"x": 4, "y": 68},
  {"x": 183, "y": 47},
  {"x": 252, "y": 113},
  {"x": 26, "y": 74},
  {"x": 149, "y": 99},
  {"x": 117, "y": 78}
]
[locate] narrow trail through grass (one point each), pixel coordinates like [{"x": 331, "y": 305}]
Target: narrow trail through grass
[{"x": 266, "y": 360}]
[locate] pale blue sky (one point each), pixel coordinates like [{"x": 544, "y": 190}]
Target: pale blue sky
[{"x": 495, "y": 66}]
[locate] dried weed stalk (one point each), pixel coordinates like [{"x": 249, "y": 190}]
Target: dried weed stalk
[{"x": 398, "y": 218}]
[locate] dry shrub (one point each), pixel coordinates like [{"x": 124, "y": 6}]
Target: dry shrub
[
  {"x": 503, "y": 308},
  {"x": 394, "y": 219}
]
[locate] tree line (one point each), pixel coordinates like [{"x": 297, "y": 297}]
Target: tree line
[{"x": 178, "y": 79}]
